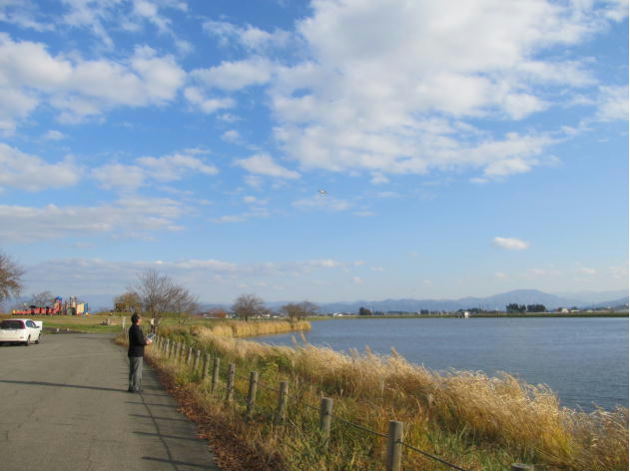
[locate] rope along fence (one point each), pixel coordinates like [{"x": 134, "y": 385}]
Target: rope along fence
[{"x": 181, "y": 353}]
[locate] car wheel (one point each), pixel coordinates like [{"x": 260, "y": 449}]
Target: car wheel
[
  {"x": 28, "y": 341},
  {"x": 38, "y": 339}
]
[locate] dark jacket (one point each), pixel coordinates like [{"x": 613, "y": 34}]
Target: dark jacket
[{"x": 136, "y": 341}]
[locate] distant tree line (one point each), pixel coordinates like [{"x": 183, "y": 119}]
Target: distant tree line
[{"x": 516, "y": 308}]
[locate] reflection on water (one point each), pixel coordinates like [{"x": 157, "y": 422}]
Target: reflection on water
[{"x": 585, "y": 360}]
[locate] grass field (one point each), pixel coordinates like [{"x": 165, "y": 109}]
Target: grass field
[
  {"x": 467, "y": 418},
  {"x": 84, "y": 324}
]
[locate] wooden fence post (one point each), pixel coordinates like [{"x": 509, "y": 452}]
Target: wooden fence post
[
  {"x": 325, "y": 419},
  {"x": 215, "y": 373},
  {"x": 206, "y": 365},
  {"x": 167, "y": 347},
  {"x": 189, "y": 355},
  {"x": 394, "y": 446},
  {"x": 283, "y": 396},
  {"x": 196, "y": 363},
  {"x": 229, "y": 394},
  {"x": 251, "y": 393}
]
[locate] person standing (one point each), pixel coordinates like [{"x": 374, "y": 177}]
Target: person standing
[{"x": 136, "y": 354}]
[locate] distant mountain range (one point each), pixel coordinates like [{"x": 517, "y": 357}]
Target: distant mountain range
[{"x": 495, "y": 302}]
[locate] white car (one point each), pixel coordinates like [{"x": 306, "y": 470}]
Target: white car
[{"x": 20, "y": 330}]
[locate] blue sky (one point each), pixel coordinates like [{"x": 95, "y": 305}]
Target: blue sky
[{"x": 465, "y": 148}]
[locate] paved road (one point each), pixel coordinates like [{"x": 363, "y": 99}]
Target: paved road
[{"x": 64, "y": 405}]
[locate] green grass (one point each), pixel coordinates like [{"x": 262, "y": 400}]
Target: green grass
[{"x": 82, "y": 324}]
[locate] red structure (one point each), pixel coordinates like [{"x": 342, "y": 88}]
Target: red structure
[{"x": 57, "y": 309}]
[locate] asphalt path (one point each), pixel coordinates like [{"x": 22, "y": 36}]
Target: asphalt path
[{"x": 64, "y": 405}]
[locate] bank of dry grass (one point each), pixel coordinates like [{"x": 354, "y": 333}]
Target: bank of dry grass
[
  {"x": 236, "y": 328},
  {"x": 466, "y": 418}
]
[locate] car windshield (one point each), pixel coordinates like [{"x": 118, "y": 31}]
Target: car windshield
[{"x": 11, "y": 324}]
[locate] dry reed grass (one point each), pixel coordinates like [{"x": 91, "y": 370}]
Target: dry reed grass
[
  {"x": 466, "y": 417},
  {"x": 244, "y": 329}
]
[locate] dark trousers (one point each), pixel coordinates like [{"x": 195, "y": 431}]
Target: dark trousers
[{"x": 135, "y": 373}]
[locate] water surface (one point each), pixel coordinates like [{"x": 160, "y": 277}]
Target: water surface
[{"x": 585, "y": 360}]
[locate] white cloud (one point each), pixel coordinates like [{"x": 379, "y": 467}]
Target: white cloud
[
  {"x": 79, "y": 88},
  {"x": 54, "y": 135},
  {"x": 31, "y": 173},
  {"x": 104, "y": 16},
  {"x": 263, "y": 164},
  {"x": 248, "y": 37},
  {"x": 378, "y": 74},
  {"x": 357, "y": 280},
  {"x": 119, "y": 176},
  {"x": 231, "y": 136},
  {"x": 536, "y": 272},
  {"x": 89, "y": 14},
  {"x": 130, "y": 217},
  {"x": 230, "y": 219},
  {"x": 254, "y": 181},
  {"x": 24, "y": 14},
  {"x": 197, "y": 97},
  {"x": 587, "y": 271},
  {"x": 512, "y": 244},
  {"x": 235, "y": 75},
  {"x": 501, "y": 275},
  {"x": 619, "y": 272},
  {"x": 613, "y": 103},
  {"x": 102, "y": 276},
  {"x": 616, "y": 10},
  {"x": 175, "y": 166},
  {"x": 168, "y": 168},
  {"x": 322, "y": 203}
]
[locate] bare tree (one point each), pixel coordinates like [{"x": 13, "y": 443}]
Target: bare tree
[
  {"x": 128, "y": 301},
  {"x": 309, "y": 309},
  {"x": 182, "y": 301},
  {"x": 10, "y": 278},
  {"x": 248, "y": 305},
  {"x": 41, "y": 299},
  {"x": 291, "y": 310},
  {"x": 159, "y": 294},
  {"x": 298, "y": 311}
]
